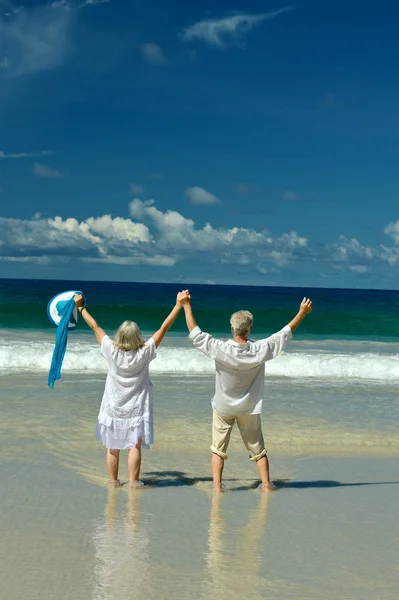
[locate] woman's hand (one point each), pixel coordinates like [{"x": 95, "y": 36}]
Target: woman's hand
[
  {"x": 306, "y": 306},
  {"x": 183, "y": 298},
  {"x": 78, "y": 298}
]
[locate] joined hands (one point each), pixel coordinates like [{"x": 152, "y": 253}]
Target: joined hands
[{"x": 183, "y": 298}]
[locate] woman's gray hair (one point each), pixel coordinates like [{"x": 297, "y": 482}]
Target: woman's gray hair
[
  {"x": 241, "y": 322},
  {"x": 128, "y": 337}
]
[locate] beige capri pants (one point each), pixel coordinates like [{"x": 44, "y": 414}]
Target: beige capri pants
[{"x": 251, "y": 433}]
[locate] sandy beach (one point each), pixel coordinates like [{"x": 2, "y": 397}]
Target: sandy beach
[{"x": 329, "y": 531}]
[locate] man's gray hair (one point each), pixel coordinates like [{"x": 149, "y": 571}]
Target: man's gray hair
[
  {"x": 128, "y": 337},
  {"x": 241, "y": 322}
]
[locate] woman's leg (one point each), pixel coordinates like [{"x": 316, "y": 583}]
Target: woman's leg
[
  {"x": 113, "y": 465},
  {"x": 134, "y": 462}
]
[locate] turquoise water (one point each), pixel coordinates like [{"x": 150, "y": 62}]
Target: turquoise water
[{"x": 340, "y": 314}]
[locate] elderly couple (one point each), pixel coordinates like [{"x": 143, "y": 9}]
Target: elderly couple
[{"x": 125, "y": 421}]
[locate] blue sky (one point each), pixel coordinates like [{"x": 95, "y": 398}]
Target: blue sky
[{"x": 149, "y": 140}]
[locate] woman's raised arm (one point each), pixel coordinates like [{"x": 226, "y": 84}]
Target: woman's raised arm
[
  {"x": 170, "y": 319},
  {"x": 92, "y": 323}
]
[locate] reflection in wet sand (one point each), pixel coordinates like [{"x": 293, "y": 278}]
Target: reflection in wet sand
[
  {"x": 121, "y": 542},
  {"x": 234, "y": 556}
]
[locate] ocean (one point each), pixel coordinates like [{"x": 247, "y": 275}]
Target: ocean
[{"x": 330, "y": 419}]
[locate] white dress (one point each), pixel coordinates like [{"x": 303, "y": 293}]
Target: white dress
[{"x": 126, "y": 412}]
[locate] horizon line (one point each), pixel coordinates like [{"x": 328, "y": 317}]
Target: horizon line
[{"x": 202, "y": 284}]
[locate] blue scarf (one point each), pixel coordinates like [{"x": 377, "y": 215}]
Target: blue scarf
[{"x": 65, "y": 310}]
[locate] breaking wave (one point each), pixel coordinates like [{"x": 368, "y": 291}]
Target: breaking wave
[{"x": 81, "y": 357}]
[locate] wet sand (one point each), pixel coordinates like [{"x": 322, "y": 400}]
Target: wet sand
[{"x": 330, "y": 531}]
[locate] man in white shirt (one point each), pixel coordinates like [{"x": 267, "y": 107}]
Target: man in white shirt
[{"x": 240, "y": 373}]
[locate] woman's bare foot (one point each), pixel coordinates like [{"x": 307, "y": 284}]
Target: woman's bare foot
[{"x": 115, "y": 483}]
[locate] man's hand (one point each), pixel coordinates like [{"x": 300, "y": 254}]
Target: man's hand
[
  {"x": 183, "y": 298},
  {"x": 78, "y": 298},
  {"x": 304, "y": 309},
  {"x": 306, "y": 306}
]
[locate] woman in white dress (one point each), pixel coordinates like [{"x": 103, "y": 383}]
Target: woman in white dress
[{"x": 125, "y": 421}]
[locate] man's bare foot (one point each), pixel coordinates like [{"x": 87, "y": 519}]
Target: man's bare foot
[
  {"x": 136, "y": 484},
  {"x": 218, "y": 488},
  {"x": 267, "y": 487}
]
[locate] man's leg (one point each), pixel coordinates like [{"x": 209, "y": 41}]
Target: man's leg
[
  {"x": 251, "y": 432},
  {"x": 113, "y": 466},
  {"x": 263, "y": 468},
  {"x": 134, "y": 462},
  {"x": 221, "y": 432},
  {"x": 217, "y": 470}
]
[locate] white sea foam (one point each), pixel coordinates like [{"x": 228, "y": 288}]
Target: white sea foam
[{"x": 35, "y": 356}]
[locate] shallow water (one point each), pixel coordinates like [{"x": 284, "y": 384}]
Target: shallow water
[
  {"x": 65, "y": 538},
  {"x": 308, "y": 416}
]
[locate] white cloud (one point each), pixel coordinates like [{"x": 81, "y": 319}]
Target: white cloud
[
  {"x": 26, "y": 154},
  {"x": 198, "y": 195},
  {"x": 392, "y": 229},
  {"x": 102, "y": 238},
  {"x": 346, "y": 248},
  {"x": 158, "y": 260},
  {"x": 293, "y": 240},
  {"x": 40, "y": 260},
  {"x": 167, "y": 238},
  {"x": 103, "y": 228},
  {"x": 136, "y": 189},
  {"x": 358, "y": 268},
  {"x": 150, "y": 237},
  {"x": 152, "y": 53},
  {"x": 218, "y": 32},
  {"x": 351, "y": 252},
  {"x": 175, "y": 233},
  {"x": 46, "y": 172},
  {"x": 37, "y": 38},
  {"x": 94, "y": 2}
]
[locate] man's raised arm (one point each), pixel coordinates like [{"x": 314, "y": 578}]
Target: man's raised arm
[
  {"x": 304, "y": 309},
  {"x": 273, "y": 345},
  {"x": 188, "y": 311},
  {"x": 201, "y": 340},
  {"x": 185, "y": 300}
]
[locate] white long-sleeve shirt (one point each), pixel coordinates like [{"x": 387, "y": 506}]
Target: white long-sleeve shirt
[{"x": 240, "y": 369}]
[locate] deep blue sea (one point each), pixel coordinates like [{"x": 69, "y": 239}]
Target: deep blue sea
[{"x": 338, "y": 313}]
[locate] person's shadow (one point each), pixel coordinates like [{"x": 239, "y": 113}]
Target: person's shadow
[
  {"x": 171, "y": 479},
  {"x": 315, "y": 484},
  {"x": 327, "y": 483},
  {"x": 180, "y": 478}
]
